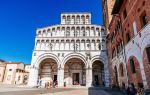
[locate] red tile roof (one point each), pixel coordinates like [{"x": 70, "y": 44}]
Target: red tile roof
[{"x": 13, "y": 62}]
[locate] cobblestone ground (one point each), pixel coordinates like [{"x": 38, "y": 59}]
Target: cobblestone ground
[{"x": 14, "y": 90}]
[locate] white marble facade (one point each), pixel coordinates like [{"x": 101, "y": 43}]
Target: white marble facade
[{"x": 67, "y": 52}]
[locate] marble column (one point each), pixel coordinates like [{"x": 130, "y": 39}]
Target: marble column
[
  {"x": 106, "y": 72},
  {"x": 60, "y": 77},
  {"x": 33, "y": 77},
  {"x": 89, "y": 77}
]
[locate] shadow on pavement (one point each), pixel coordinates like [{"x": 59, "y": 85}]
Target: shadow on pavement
[{"x": 104, "y": 91}]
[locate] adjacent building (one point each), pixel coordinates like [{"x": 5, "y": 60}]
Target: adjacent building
[
  {"x": 128, "y": 43},
  {"x": 71, "y": 53},
  {"x": 107, "y": 9},
  {"x": 2, "y": 70},
  {"x": 13, "y": 72}
]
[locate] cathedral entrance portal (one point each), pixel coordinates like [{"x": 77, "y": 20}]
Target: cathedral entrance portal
[
  {"x": 76, "y": 79},
  {"x": 98, "y": 73},
  {"x": 75, "y": 72},
  {"x": 48, "y": 71}
]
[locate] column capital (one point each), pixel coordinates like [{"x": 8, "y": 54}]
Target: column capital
[
  {"x": 60, "y": 68},
  {"x": 89, "y": 68}
]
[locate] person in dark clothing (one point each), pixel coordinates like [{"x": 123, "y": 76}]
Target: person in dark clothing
[
  {"x": 128, "y": 90},
  {"x": 132, "y": 90}
]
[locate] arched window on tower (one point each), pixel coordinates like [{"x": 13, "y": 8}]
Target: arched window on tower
[
  {"x": 44, "y": 33},
  {"x": 48, "y": 32},
  {"x": 87, "y": 33},
  {"x": 77, "y": 31},
  {"x": 39, "y": 33},
  {"x": 97, "y": 32},
  {"x": 68, "y": 32},
  {"x": 83, "y": 19},
  {"x": 78, "y": 20},
  {"x": 87, "y": 19},
  {"x": 73, "y": 20},
  {"x": 83, "y": 32},
  {"x": 64, "y": 19},
  {"x": 68, "y": 19}
]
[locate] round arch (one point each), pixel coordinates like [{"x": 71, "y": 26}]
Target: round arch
[
  {"x": 73, "y": 55},
  {"x": 98, "y": 73},
  {"x": 146, "y": 65},
  {"x": 75, "y": 72},
  {"x": 97, "y": 58},
  {"x": 134, "y": 71},
  {"x": 46, "y": 56}
]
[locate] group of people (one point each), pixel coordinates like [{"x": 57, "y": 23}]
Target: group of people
[
  {"x": 51, "y": 84},
  {"x": 131, "y": 90},
  {"x": 47, "y": 85}
]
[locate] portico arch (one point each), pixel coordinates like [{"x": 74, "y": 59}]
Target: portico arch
[
  {"x": 98, "y": 73},
  {"x": 75, "y": 72},
  {"x": 134, "y": 71},
  {"x": 48, "y": 71},
  {"x": 45, "y": 56},
  {"x": 44, "y": 64},
  {"x": 74, "y": 55}
]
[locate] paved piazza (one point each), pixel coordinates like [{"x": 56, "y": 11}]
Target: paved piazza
[{"x": 14, "y": 90}]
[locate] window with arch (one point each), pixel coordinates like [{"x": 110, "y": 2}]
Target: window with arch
[
  {"x": 113, "y": 53},
  {"x": 117, "y": 29},
  {"x": 39, "y": 33},
  {"x": 99, "y": 34},
  {"x": 128, "y": 38},
  {"x": 77, "y": 32},
  {"x": 132, "y": 65},
  {"x": 119, "y": 47},
  {"x": 83, "y": 19},
  {"x": 64, "y": 19},
  {"x": 121, "y": 70},
  {"x": 74, "y": 33},
  {"x": 87, "y": 19},
  {"x": 73, "y": 20},
  {"x": 143, "y": 19},
  {"x": 78, "y": 20},
  {"x": 148, "y": 54},
  {"x": 99, "y": 46},
  {"x": 68, "y": 19},
  {"x": 68, "y": 33}
]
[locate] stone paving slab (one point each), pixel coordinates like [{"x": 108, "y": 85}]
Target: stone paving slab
[
  {"x": 73, "y": 92},
  {"x": 14, "y": 90}
]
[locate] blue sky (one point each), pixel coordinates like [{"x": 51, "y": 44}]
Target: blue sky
[{"x": 20, "y": 18}]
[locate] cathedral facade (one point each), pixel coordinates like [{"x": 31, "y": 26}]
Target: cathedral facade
[{"x": 71, "y": 53}]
